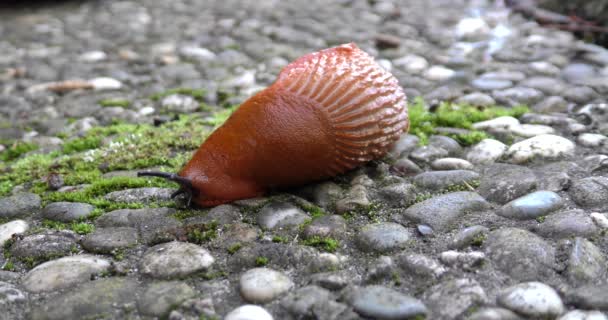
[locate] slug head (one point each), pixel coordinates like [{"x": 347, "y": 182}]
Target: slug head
[{"x": 186, "y": 186}]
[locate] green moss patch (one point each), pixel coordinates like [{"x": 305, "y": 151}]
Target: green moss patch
[
  {"x": 115, "y": 103},
  {"x": 423, "y": 122},
  {"x": 323, "y": 243},
  {"x": 16, "y": 150}
]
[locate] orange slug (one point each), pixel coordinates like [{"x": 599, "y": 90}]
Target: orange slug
[{"x": 328, "y": 112}]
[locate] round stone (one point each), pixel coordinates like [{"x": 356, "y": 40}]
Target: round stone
[
  {"x": 531, "y": 206},
  {"x": 8, "y": 229},
  {"x": 105, "y": 84},
  {"x": 487, "y": 151},
  {"x": 67, "y": 211},
  {"x": 533, "y": 299},
  {"x": 64, "y": 272},
  {"x": 583, "y": 315},
  {"x": 503, "y": 182},
  {"x": 439, "y": 73},
  {"x": 546, "y": 146},
  {"x": 591, "y": 140},
  {"x": 175, "y": 259},
  {"x": 531, "y": 130},
  {"x": 45, "y": 245},
  {"x": 590, "y": 192},
  {"x": 451, "y": 164},
  {"x": 104, "y": 240},
  {"x": 248, "y": 312},
  {"x": 160, "y": 297},
  {"x": 497, "y": 124},
  {"x": 491, "y": 84},
  {"x": 279, "y": 215},
  {"x": 261, "y": 285},
  {"x": 180, "y": 103},
  {"x": 19, "y": 205},
  {"x": 383, "y": 237},
  {"x": 383, "y": 303},
  {"x": 477, "y": 99}
]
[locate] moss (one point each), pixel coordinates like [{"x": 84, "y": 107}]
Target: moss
[
  {"x": 16, "y": 150},
  {"x": 423, "y": 122},
  {"x": 202, "y": 233},
  {"x": 115, "y": 103},
  {"x": 234, "y": 248},
  {"x": 261, "y": 261},
  {"x": 81, "y": 144},
  {"x": 118, "y": 254},
  {"x": 220, "y": 117},
  {"x": 188, "y": 213},
  {"x": 279, "y": 239},
  {"x": 78, "y": 227},
  {"x": 9, "y": 266},
  {"x": 198, "y": 94},
  {"x": 541, "y": 219},
  {"x": 479, "y": 240},
  {"x": 324, "y": 243},
  {"x": 313, "y": 210}
]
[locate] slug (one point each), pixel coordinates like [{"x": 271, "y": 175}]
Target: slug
[{"x": 328, "y": 112}]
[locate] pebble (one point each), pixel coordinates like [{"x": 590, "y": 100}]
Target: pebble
[
  {"x": 278, "y": 215},
  {"x": 45, "y": 245},
  {"x": 196, "y": 53},
  {"x": 421, "y": 265},
  {"x": 447, "y": 305},
  {"x": 590, "y": 192},
  {"x": 439, "y": 73},
  {"x": 497, "y": 124},
  {"x": 576, "y": 72},
  {"x": 586, "y": 263},
  {"x": 517, "y": 96},
  {"x": 494, "y": 314},
  {"x": 94, "y": 299},
  {"x": 476, "y": 99},
  {"x": 428, "y": 153},
  {"x": 262, "y": 285},
  {"x": 548, "y": 85},
  {"x": 174, "y": 259},
  {"x": 159, "y": 298},
  {"x": 303, "y": 301},
  {"x": 439, "y": 212},
  {"x": 520, "y": 253},
  {"x": 356, "y": 198},
  {"x": 601, "y": 220},
  {"x": 486, "y": 84},
  {"x": 591, "y": 140},
  {"x": 93, "y": 56},
  {"x": 551, "y": 104},
  {"x": 451, "y": 164},
  {"x": 405, "y": 144},
  {"x": 532, "y": 299},
  {"x": 9, "y": 229},
  {"x": 542, "y": 147},
  {"x": 105, "y": 240},
  {"x": 514, "y": 76},
  {"x": 486, "y": 151},
  {"x": 249, "y": 312},
  {"x": 473, "y": 235},
  {"x": 102, "y": 84},
  {"x": 502, "y": 182},
  {"x": 326, "y": 226},
  {"x": 406, "y": 167},
  {"x": 531, "y": 206},
  {"x": 568, "y": 223},
  {"x": 383, "y": 303},
  {"x": 583, "y": 315},
  {"x": 398, "y": 194},
  {"x": 180, "y": 103},
  {"x": 19, "y": 205},
  {"x": 544, "y": 67},
  {"x": 592, "y": 296},
  {"x": 67, "y": 211},
  {"x": 64, "y": 273},
  {"x": 383, "y": 237},
  {"x": 411, "y": 63},
  {"x": 438, "y": 180},
  {"x": 531, "y": 130},
  {"x": 464, "y": 259},
  {"x": 138, "y": 195}
]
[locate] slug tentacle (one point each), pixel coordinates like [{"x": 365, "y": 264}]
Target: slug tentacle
[{"x": 185, "y": 183}]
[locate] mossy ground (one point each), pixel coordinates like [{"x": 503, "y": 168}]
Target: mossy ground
[{"x": 83, "y": 160}]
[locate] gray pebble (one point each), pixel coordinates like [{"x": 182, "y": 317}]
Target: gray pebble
[
  {"x": 532, "y": 299},
  {"x": 531, "y": 206},
  {"x": 174, "y": 259},
  {"x": 326, "y": 226},
  {"x": 19, "y": 205},
  {"x": 160, "y": 297},
  {"x": 586, "y": 263},
  {"x": 64, "y": 273},
  {"x": 383, "y": 237},
  {"x": 468, "y": 236},
  {"x": 590, "y": 192},
  {"x": 441, "y": 211},
  {"x": 444, "y": 304},
  {"x": 105, "y": 240},
  {"x": 568, "y": 223},
  {"x": 66, "y": 211},
  {"x": 379, "y": 302},
  {"x": 43, "y": 246},
  {"x": 438, "y": 180},
  {"x": 277, "y": 215}
]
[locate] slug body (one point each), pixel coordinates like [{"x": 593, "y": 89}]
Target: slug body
[{"x": 328, "y": 112}]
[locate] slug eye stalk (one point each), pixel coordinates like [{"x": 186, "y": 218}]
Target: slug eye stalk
[{"x": 185, "y": 183}]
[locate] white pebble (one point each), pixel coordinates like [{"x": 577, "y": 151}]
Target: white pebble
[
  {"x": 451, "y": 164},
  {"x": 8, "y": 229},
  {"x": 64, "y": 272},
  {"x": 600, "y": 219},
  {"x": 591, "y": 139},
  {"x": 145, "y": 111},
  {"x": 487, "y": 151},
  {"x": 412, "y": 63},
  {"x": 545, "y": 146},
  {"x": 261, "y": 285},
  {"x": 197, "y": 53},
  {"x": 531, "y": 130},
  {"x": 439, "y": 73},
  {"x": 583, "y": 315},
  {"x": 93, "y": 56},
  {"x": 248, "y": 312},
  {"x": 105, "y": 83},
  {"x": 532, "y": 299},
  {"x": 499, "y": 124},
  {"x": 467, "y": 259}
]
